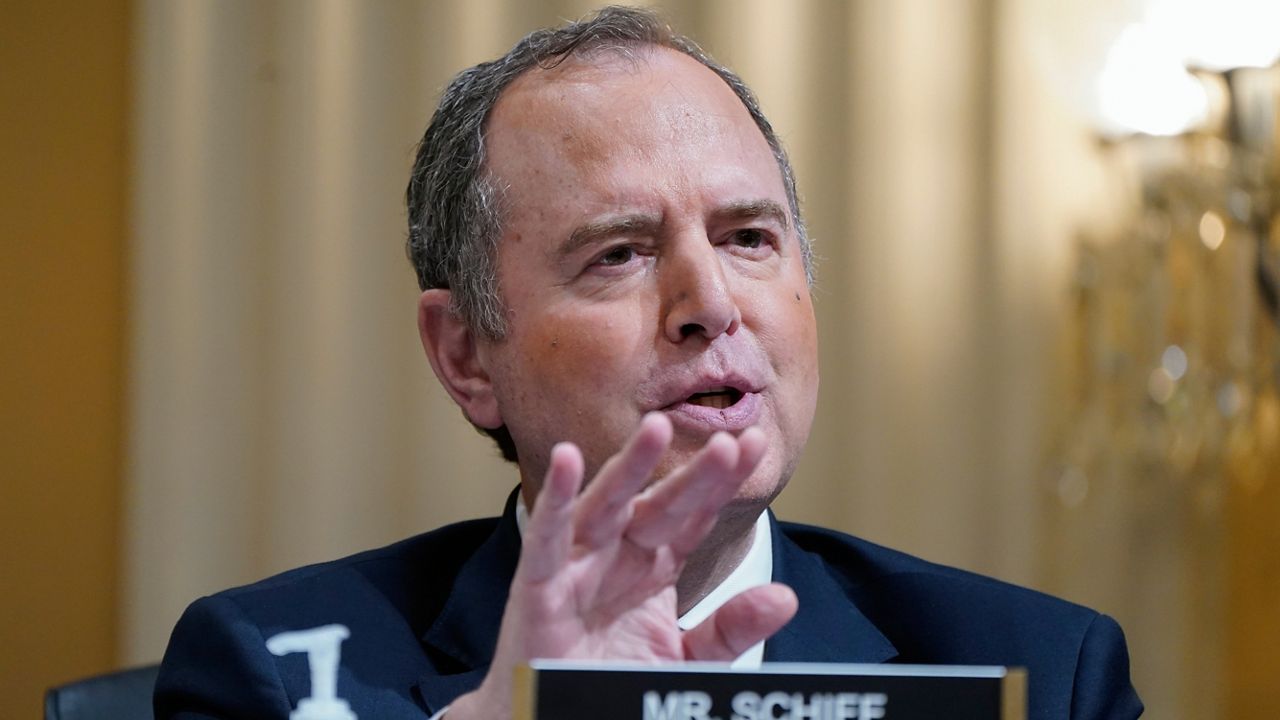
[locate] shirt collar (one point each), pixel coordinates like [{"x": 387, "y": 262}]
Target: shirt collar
[{"x": 755, "y": 569}]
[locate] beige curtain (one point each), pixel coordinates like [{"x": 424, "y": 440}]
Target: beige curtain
[{"x": 282, "y": 412}]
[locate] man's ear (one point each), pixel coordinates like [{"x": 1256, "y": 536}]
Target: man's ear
[{"x": 451, "y": 348}]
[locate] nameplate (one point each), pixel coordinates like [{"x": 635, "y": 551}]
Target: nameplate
[{"x": 560, "y": 690}]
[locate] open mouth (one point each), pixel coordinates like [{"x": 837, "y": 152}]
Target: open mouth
[{"x": 719, "y": 398}]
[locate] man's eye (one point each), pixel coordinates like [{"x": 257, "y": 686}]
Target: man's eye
[
  {"x": 750, "y": 238},
  {"x": 617, "y": 256}
]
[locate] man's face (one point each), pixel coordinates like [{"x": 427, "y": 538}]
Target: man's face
[{"x": 648, "y": 262}]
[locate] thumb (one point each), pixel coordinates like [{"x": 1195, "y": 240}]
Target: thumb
[{"x": 751, "y": 616}]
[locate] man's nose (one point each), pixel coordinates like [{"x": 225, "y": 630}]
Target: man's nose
[{"x": 698, "y": 298}]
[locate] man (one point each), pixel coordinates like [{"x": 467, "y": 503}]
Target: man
[{"x": 615, "y": 286}]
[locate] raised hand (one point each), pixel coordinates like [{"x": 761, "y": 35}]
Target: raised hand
[{"x": 598, "y": 567}]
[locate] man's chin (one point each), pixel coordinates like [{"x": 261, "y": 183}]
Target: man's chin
[{"x": 761, "y": 489}]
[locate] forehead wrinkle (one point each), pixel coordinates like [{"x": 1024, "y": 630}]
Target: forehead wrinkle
[{"x": 572, "y": 132}]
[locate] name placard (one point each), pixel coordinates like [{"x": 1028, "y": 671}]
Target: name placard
[{"x": 559, "y": 690}]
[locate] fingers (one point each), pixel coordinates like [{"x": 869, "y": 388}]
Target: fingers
[
  {"x": 682, "y": 509},
  {"x": 678, "y": 511},
  {"x": 547, "y": 539},
  {"x": 752, "y": 445},
  {"x": 745, "y": 620},
  {"x": 605, "y": 507}
]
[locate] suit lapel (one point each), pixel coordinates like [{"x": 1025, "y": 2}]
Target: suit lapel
[
  {"x": 828, "y": 627},
  {"x": 466, "y": 629}
]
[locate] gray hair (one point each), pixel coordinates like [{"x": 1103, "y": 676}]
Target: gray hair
[{"x": 455, "y": 208}]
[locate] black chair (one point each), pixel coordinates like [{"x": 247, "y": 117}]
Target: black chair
[{"x": 123, "y": 695}]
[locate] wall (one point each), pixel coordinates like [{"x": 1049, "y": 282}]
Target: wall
[{"x": 63, "y": 108}]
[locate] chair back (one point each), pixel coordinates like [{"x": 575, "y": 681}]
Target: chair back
[{"x": 122, "y": 695}]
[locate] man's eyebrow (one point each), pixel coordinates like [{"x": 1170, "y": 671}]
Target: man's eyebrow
[
  {"x": 752, "y": 209},
  {"x": 591, "y": 232},
  {"x": 640, "y": 224}
]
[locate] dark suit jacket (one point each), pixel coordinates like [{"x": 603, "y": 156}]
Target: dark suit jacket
[{"x": 424, "y": 616}]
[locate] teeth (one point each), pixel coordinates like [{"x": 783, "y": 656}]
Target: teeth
[{"x": 719, "y": 400}]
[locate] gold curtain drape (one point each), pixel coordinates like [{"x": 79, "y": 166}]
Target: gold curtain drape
[{"x": 281, "y": 409}]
